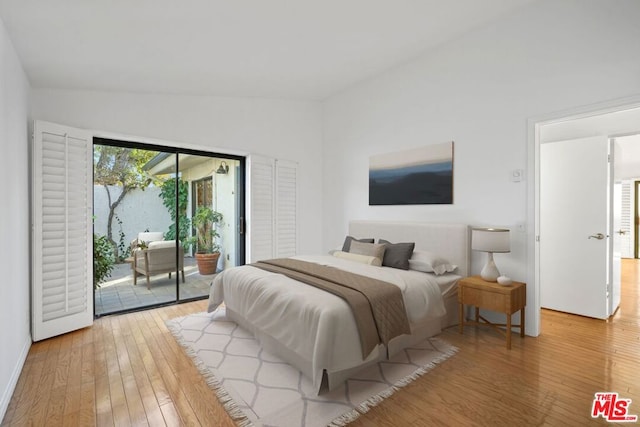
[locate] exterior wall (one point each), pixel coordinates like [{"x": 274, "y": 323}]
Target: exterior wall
[{"x": 140, "y": 210}]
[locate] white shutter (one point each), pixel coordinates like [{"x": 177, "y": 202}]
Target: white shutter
[
  {"x": 62, "y": 230},
  {"x": 286, "y": 192},
  {"x": 626, "y": 221},
  {"x": 260, "y": 223}
]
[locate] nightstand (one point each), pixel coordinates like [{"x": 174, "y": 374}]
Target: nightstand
[{"x": 492, "y": 296}]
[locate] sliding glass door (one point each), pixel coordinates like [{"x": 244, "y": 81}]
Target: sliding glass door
[{"x": 166, "y": 221}]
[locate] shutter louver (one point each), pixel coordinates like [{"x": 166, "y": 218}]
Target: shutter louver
[
  {"x": 626, "y": 239},
  {"x": 286, "y": 209},
  {"x": 262, "y": 208},
  {"x": 63, "y": 268}
]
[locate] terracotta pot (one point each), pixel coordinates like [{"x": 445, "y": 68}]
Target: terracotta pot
[{"x": 207, "y": 263}]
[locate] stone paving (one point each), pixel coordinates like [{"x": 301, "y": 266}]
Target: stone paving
[{"x": 118, "y": 293}]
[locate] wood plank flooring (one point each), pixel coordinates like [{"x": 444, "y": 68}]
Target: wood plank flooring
[{"x": 128, "y": 370}]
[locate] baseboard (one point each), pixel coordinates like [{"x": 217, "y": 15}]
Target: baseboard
[{"x": 13, "y": 381}]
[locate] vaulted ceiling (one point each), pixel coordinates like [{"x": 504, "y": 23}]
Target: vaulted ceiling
[{"x": 298, "y": 49}]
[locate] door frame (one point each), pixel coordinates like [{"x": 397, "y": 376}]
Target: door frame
[
  {"x": 534, "y": 126},
  {"x": 636, "y": 219},
  {"x": 180, "y": 148}
]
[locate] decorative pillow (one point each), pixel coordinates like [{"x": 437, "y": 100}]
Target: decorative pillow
[
  {"x": 347, "y": 242},
  {"x": 364, "y": 259},
  {"x": 397, "y": 255},
  {"x": 368, "y": 249},
  {"x": 429, "y": 262}
]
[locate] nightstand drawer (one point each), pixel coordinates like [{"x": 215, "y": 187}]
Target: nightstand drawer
[{"x": 482, "y": 298}]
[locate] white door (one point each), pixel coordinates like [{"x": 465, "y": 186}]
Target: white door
[
  {"x": 62, "y": 252},
  {"x": 575, "y": 200},
  {"x": 617, "y": 237}
]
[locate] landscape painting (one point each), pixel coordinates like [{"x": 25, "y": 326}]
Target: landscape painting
[{"x": 412, "y": 177}]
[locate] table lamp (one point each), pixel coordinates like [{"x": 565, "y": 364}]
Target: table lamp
[{"x": 490, "y": 240}]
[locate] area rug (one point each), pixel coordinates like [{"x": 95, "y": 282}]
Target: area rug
[{"x": 259, "y": 389}]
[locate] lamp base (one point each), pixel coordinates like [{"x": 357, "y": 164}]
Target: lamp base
[{"x": 490, "y": 272}]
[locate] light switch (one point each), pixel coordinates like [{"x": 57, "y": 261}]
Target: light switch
[{"x": 517, "y": 175}]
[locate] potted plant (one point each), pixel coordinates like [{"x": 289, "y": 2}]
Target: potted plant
[{"x": 207, "y": 250}]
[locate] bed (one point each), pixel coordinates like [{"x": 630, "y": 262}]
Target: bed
[{"x": 315, "y": 331}]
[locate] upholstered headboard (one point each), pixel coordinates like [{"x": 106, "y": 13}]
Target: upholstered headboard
[{"x": 448, "y": 240}]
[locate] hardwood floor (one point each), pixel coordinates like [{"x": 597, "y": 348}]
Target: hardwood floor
[{"x": 128, "y": 370}]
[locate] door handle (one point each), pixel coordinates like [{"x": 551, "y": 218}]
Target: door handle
[
  {"x": 621, "y": 232},
  {"x": 598, "y": 236}
]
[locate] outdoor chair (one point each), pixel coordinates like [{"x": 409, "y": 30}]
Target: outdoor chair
[{"x": 158, "y": 257}]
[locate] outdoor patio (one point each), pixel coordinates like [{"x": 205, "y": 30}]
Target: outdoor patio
[{"x": 118, "y": 293}]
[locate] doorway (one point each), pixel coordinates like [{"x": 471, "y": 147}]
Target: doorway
[
  {"x": 155, "y": 209},
  {"x": 617, "y": 118},
  {"x": 627, "y": 161}
]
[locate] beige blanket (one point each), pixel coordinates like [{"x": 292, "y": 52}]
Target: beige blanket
[{"x": 377, "y": 306}]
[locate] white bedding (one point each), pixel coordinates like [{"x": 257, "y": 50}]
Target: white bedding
[{"x": 315, "y": 325}]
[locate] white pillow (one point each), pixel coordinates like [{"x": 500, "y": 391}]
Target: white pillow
[
  {"x": 429, "y": 262},
  {"x": 333, "y": 251},
  {"x": 364, "y": 259}
]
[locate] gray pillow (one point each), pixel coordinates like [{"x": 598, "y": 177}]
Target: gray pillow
[
  {"x": 368, "y": 249},
  {"x": 347, "y": 242},
  {"x": 397, "y": 255}
]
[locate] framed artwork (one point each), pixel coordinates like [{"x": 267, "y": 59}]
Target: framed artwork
[{"x": 421, "y": 176}]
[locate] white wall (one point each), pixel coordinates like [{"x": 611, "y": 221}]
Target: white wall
[
  {"x": 479, "y": 91},
  {"x": 15, "y": 337},
  {"x": 289, "y": 130}
]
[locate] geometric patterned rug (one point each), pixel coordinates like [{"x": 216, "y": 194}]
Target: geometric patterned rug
[{"x": 259, "y": 389}]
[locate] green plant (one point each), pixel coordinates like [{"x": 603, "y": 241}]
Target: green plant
[
  {"x": 103, "y": 259},
  {"x": 124, "y": 250},
  {"x": 205, "y": 221},
  {"x": 168, "y": 195}
]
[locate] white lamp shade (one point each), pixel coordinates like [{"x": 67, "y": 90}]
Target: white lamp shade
[{"x": 490, "y": 239}]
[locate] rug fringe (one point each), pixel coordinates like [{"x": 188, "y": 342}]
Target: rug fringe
[
  {"x": 225, "y": 399},
  {"x": 344, "y": 419},
  {"x": 375, "y": 400}
]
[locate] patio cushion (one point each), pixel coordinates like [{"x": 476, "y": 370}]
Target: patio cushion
[
  {"x": 158, "y": 257},
  {"x": 150, "y": 236},
  {"x": 162, "y": 244}
]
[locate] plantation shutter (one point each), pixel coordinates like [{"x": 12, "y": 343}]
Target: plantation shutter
[
  {"x": 261, "y": 221},
  {"x": 286, "y": 200},
  {"x": 626, "y": 221},
  {"x": 273, "y": 223},
  {"x": 62, "y": 230}
]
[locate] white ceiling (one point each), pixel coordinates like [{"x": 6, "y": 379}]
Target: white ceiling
[{"x": 300, "y": 49}]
